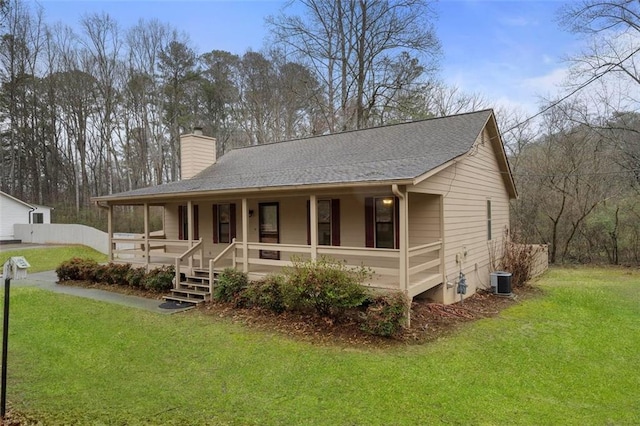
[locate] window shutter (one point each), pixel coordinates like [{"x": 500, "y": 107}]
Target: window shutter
[
  {"x": 215, "y": 224},
  {"x": 368, "y": 222},
  {"x": 180, "y": 224},
  {"x": 335, "y": 222},
  {"x": 308, "y": 222},
  {"x": 232, "y": 222},
  {"x": 196, "y": 223},
  {"x": 396, "y": 220}
]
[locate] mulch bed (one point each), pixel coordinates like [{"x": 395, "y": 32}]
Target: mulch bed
[{"x": 429, "y": 321}]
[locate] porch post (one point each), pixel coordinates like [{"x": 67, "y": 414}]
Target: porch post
[
  {"x": 190, "y": 229},
  {"x": 403, "y": 240},
  {"x": 110, "y": 230},
  {"x": 404, "y": 228},
  {"x": 403, "y": 243},
  {"x": 146, "y": 234},
  {"x": 442, "y": 244},
  {"x": 245, "y": 236},
  {"x": 313, "y": 221}
]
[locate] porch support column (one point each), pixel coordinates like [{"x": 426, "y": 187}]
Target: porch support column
[
  {"x": 146, "y": 234},
  {"x": 403, "y": 240},
  {"x": 110, "y": 230},
  {"x": 313, "y": 221},
  {"x": 245, "y": 236},
  {"x": 190, "y": 229}
]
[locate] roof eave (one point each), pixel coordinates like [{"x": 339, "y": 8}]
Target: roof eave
[
  {"x": 18, "y": 200},
  {"x": 140, "y": 199}
]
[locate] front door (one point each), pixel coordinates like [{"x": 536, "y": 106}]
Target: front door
[{"x": 268, "y": 214}]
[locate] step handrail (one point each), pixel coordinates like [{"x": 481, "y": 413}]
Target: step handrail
[
  {"x": 188, "y": 253},
  {"x": 212, "y": 262}
]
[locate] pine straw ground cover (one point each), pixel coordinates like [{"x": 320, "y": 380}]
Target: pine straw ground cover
[{"x": 429, "y": 321}]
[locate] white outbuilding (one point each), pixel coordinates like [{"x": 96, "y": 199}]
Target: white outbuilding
[{"x": 14, "y": 211}]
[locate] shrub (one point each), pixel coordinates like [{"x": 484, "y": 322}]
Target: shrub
[
  {"x": 159, "y": 279},
  {"x": 77, "y": 269},
  {"x": 134, "y": 277},
  {"x": 386, "y": 314},
  {"x": 230, "y": 285},
  {"x": 518, "y": 259},
  {"x": 267, "y": 293},
  {"x": 113, "y": 273},
  {"x": 326, "y": 285}
]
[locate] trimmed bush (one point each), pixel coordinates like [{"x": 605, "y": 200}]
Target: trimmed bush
[
  {"x": 230, "y": 285},
  {"x": 327, "y": 286},
  {"x": 115, "y": 273},
  {"x": 386, "y": 314},
  {"x": 77, "y": 269},
  {"x": 159, "y": 279},
  {"x": 134, "y": 277},
  {"x": 267, "y": 293}
]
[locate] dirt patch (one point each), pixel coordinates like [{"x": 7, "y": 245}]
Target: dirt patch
[{"x": 429, "y": 321}]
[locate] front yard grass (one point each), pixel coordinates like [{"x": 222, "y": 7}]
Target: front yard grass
[
  {"x": 49, "y": 258},
  {"x": 570, "y": 356}
]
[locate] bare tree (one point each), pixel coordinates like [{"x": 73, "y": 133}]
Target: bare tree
[
  {"x": 612, "y": 29},
  {"x": 563, "y": 177},
  {"x": 358, "y": 50},
  {"x": 103, "y": 44},
  {"x": 144, "y": 123}
]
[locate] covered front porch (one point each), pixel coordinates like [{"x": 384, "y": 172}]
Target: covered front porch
[{"x": 394, "y": 232}]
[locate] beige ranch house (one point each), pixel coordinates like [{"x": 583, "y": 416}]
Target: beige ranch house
[{"x": 419, "y": 203}]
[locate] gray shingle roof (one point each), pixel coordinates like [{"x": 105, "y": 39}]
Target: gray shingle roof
[{"x": 395, "y": 152}]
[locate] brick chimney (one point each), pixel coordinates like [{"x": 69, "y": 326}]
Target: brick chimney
[{"x": 197, "y": 152}]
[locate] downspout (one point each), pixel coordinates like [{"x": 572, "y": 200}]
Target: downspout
[
  {"x": 403, "y": 266},
  {"x": 30, "y": 222}
]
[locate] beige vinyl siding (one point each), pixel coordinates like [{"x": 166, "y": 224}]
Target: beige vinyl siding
[
  {"x": 205, "y": 223},
  {"x": 466, "y": 186},
  {"x": 171, "y": 221},
  {"x": 424, "y": 218},
  {"x": 352, "y": 228},
  {"x": 196, "y": 154}
]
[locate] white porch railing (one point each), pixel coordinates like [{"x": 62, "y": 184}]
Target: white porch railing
[
  {"x": 231, "y": 249},
  {"x": 138, "y": 249},
  {"x": 424, "y": 262},
  {"x": 188, "y": 255}
]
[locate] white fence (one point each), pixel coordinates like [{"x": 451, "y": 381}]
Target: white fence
[{"x": 58, "y": 233}]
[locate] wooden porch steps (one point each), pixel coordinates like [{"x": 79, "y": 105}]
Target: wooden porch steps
[
  {"x": 183, "y": 299},
  {"x": 193, "y": 288}
]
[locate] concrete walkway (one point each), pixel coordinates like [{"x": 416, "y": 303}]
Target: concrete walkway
[{"x": 47, "y": 281}]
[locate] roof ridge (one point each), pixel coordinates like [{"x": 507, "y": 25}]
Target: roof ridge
[{"x": 382, "y": 126}]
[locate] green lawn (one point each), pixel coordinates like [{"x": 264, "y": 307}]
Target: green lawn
[
  {"x": 571, "y": 356},
  {"x": 47, "y": 259}
]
